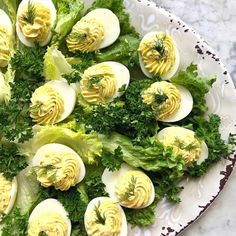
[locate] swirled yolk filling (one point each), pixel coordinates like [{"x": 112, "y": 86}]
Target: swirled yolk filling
[
  {"x": 50, "y": 223},
  {"x": 158, "y": 54},
  {"x": 4, "y": 47},
  {"x": 109, "y": 222},
  {"x": 134, "y": 189},
  {"x": 98, "y": 84},
  {"x": 46, "y": 105},
  {"x": 86, "y": 36},
  {"x": 184, "y": 144},
  {"x": 58, "y": 169},
  {"x": 35, "y": 22},
  {"x": 5, "y": 193},
  {"x": 164, "y": 99}
]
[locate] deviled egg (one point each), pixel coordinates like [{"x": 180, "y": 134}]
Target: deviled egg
[
  {"x": 184, "y": 143},
  {"x": 58, "y": 165},
  {"x": 158, "y": 55},
  {"x": 35, "y": 20},
  {"x": 129, "y": 186},
  {"x": 52, "y": 102},
  {"x": 8, "y": 192},
  {"x": 103, "y": 82},
  {"x": 171, "y": 102},
  {"x": 49, "y": 217},
  {"x": 6, "y": 33},
  {"x": 104, "y": 216},
  {"x": 5, "y": 89},
  {"x": 96, "y": 30}
]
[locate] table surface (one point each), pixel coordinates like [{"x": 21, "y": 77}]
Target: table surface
[{"x": 215, "y": 21}]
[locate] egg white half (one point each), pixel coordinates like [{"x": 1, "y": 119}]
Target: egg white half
[
  {"x": 110, "y": 23},
  {"x": 67, "y": 94},
  {"x": 122, "y": 75},
  {"x": 177, "y": 131},
  {"x": 50, "y": 205},
  {"x": 174, "y": 68},
  {"x": 95, "y": 202},
  {"x": 13, "y": 195},
  {"x": 47, "y": 3},
  {"x": 51, "y": 147},
  {"x": 6, "y": 22},
  {"x": 185, "y": 108},
  {"x": 110, "y": 179}
]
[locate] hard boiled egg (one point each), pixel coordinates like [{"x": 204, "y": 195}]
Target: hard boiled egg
[
  {"x": 70, "y": 167},
  {"x": 129, "y": 186},
  {"x": 5, "y": 22},
  {"x": 52, "y": 102},
  {"x": 186, "y": 105},
  {"x": 110, "y": 23},
  {"x": 8, "y": 192},
  {"x": 96, "y": 30},
  {"x": 6, "y": 33},
  {"x": 68, "y": 95},
  {"x": 152, "y": 62},
  {"x": 177, "y": 103},
  {"x": 5, "y": 89},
  {"x": 50, "y": 217},
  {"x": 183, "y": 142},
  {"x": 35, "y": 20},
  {"x": 112, "y": 216},
  {"x": 103, "y": 82}
]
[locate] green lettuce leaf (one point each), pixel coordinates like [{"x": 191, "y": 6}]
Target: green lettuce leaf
[
  {"x": 112, "y": 161},
  {"x": 153, "y": 158},
  {"x": 197, "y": 85},
  {"x": 124, "y": 50},
  {"x": 55, "y": 64},
  {"x": 86, "y": 145},
  {"x": 68, "y": 13},
  {"x": 27, "y": 190}
]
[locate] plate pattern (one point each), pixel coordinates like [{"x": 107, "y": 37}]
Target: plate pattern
[{"x": 198, "y": 194}]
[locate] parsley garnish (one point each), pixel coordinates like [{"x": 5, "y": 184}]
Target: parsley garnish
[
  {"x": 73, "y": 77},
  {"x": 15, "y": 122},
  {"x": 101, "y": 219},
  {"x": 30, "y": 13},
  {"x": 11, "y": 161},
  {"x": 127, "y": 115},
  {"x": 15, "y": 224},
  {"x": 95, "y": 187},
  {"x": 160, "y": 97},
  {"x": 112, "y": 161}
]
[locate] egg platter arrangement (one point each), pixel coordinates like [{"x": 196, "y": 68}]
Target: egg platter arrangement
[{"x": 55, "y": 163}]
